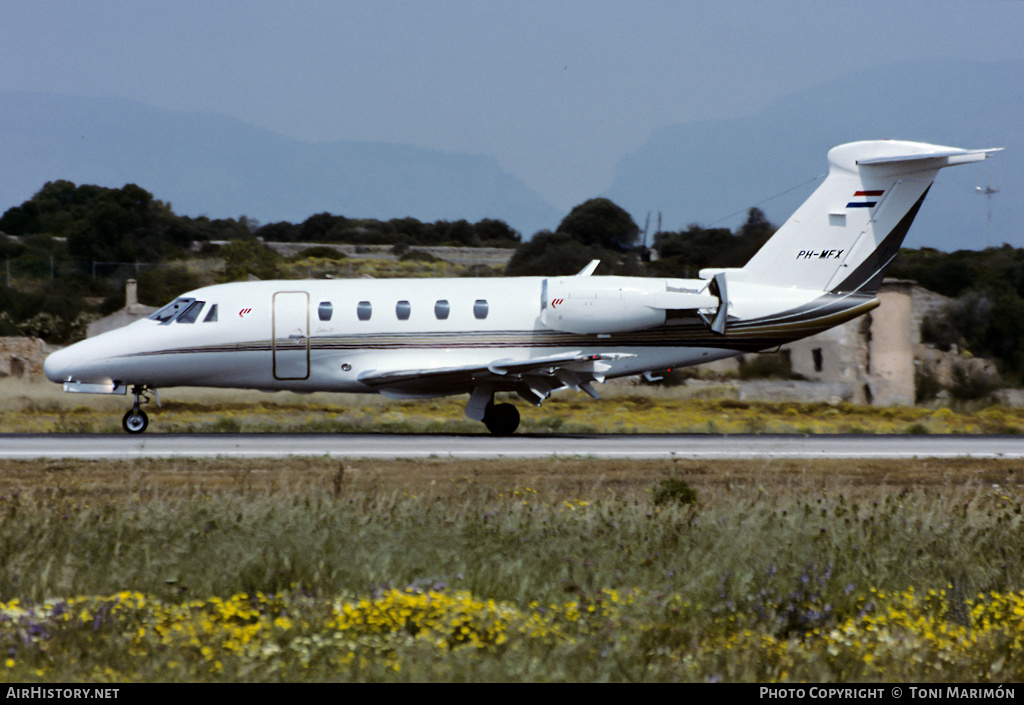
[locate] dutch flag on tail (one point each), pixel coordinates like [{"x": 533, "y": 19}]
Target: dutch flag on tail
[{"x": 870, "y": 201}]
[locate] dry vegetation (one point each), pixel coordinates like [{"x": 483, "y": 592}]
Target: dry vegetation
[
  {"x": 557, "y": 570},
  {"x": 37, "y": 406},
  {"x": 122, "y": 483}
]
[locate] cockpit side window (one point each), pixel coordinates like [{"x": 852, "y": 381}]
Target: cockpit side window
[
  {"x": 190, "y": 314},
  {"x": 169, "y": 312},
  {"x": 211, "y": 315}
]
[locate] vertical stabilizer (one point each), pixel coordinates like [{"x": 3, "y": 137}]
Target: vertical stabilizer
[{"x": 845, "y": 235}]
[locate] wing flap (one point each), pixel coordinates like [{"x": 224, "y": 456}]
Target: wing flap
[{"x": 534, "y": 379}]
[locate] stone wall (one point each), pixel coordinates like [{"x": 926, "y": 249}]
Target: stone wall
[
  {"x": 875, "y": 359},
  {"x": 22, "y": 357},
  {"x": 497, "y": 257}
]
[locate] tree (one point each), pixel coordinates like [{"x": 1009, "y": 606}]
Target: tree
[
  {"x": 21, "y": 220},
  {"x": 686, "y": 252},
  {"x": 243, "y": 258},
  {"x": 756, "y": 228},
  {"x": 120, "y": 225},
  {"x": 409, "y": 231},
  {"x": 316, "y": 227},
  {"x": 552, "y": 254},
  {"x": 281, "y": 231},
  {"x": 496, "y": 233},
  {"x": 459, "y": 234},
  {"x": 602, "y": 223},
  {"x": 595, "y": 229}
]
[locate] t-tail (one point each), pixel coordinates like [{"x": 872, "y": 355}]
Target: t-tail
[{"x": 845, "y": 235}]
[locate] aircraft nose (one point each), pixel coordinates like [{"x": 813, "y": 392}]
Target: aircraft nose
[
  {"x": 90, "y": 361},
  {"x": 55, "y": 367}
]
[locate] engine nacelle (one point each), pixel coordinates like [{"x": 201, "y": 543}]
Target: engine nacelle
[{"x": 597, "y": 305}]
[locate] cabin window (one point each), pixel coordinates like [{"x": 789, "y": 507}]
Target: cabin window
[
  {"x": 442, "y": 309},
  {"x": 363, "y": 310},
  {"x": 169, "y": 312},
  {"x": 211, "y": 315},
  {"x": 325, "y": 310},
  {"x": 402, "y": 310},
  {"x": 190, "y": 314},
  {"x": 480, "y": 308}
]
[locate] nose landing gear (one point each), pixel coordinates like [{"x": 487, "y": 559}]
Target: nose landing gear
[{"x": 135, "y": 419}]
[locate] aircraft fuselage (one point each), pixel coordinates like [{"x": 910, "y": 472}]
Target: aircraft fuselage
[{"x": 323, "y": 335}]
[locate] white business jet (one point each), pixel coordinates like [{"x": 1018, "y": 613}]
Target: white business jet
[{"x": 414, "y": 338}]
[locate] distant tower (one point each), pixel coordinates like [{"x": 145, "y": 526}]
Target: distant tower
[
  {"x": 650, "y": 254},
  {"x": 988, "y": 191}
]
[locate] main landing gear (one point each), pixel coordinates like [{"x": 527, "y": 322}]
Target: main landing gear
[
  {"x": 501, "y": 419},
  {"x": 135, "y": 419}
]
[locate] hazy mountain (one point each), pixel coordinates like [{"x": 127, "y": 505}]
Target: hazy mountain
[
  {"x": 222, "y": 167},
  {"x": 703, "y": 172},
  {"x": 693, "y": 173}
]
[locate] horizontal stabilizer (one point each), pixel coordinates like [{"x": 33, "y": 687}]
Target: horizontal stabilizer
[{"x": 951, "y": 156}]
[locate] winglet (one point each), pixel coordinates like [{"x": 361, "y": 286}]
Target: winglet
[{"x": 589, "y": 269}]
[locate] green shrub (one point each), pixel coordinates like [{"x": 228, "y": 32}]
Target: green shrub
[
  {"x": 321, "y": 252},
  {"x": 675, "y": 491}
]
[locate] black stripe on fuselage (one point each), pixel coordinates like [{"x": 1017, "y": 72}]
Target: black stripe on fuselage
[
  {"x": 762, "y": 333},
  {"x": 868, "y": 276}
]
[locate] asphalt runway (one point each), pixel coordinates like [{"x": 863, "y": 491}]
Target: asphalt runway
[{"x": 697, "y": 446}]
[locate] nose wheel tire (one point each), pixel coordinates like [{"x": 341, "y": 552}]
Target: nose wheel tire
[{"x": 135, "y": 421}]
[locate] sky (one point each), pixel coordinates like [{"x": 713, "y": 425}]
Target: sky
[{"x": 557, "y": 90}]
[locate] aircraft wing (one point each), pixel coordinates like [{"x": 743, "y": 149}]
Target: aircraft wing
[{"x": 533, "y": 379}]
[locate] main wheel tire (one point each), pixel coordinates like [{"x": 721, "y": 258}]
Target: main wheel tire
[
  {"x": 135, "y": 421},
  {"x": 502, "y": 419}
]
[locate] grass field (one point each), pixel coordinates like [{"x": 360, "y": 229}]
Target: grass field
[
  {"x": 37, "y": 406},
  {"x": 560, "y": 570}
]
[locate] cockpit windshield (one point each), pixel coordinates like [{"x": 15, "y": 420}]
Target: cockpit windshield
[
  {"x": 172, "y": 310},
  {"x": 191, "y": 313}
]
